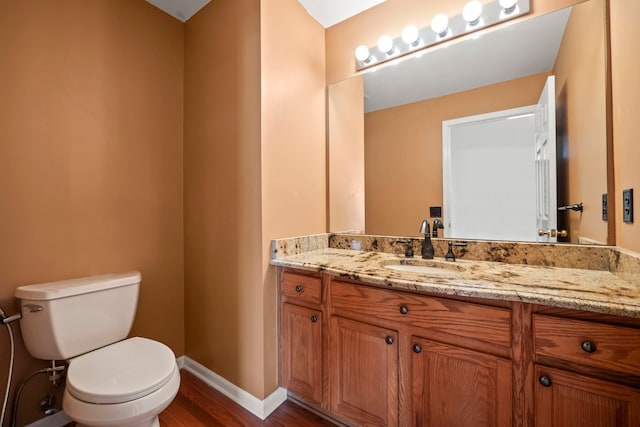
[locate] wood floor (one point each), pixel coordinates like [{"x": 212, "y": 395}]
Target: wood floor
[{"x": 199, "y": 405}]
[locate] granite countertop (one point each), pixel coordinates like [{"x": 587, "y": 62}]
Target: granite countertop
[{"x": 576, "y": 288}]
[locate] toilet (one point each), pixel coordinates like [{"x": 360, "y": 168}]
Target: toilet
[{"x": 110, "y": 380}]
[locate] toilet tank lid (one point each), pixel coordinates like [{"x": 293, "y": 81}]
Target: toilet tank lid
[{"x": 82, "y": 285}]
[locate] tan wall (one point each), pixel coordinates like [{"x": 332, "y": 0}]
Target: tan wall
[
  {"x": 293, "y": 144},
  {"x": 390, "y": 17},
  {"x": 91, "y": 129},
  {"x": 254, "y": 171},
  {"x": 625, "y": 59},
  {"x": 406, "y": 143},
  {"x": 222, "y": 191},
  {"x": 580, "y": 72},
  {"x": 345, "y": 123}
]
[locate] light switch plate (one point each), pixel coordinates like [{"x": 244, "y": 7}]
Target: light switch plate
[{"x": 627, "y": 206}]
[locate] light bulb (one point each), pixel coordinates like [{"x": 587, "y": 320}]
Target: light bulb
[
  {"x": 508, "y": 5},
  {"x": 385, "y": 44},
  {"x": 410, "y": 35},
  {"x": 440, "y": 24},
  {"x": 362, "y": 53},
  {"x": 472, "y": 12}
]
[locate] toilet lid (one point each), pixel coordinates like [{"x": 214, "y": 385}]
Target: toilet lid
[{"x": 120, "y": 372}]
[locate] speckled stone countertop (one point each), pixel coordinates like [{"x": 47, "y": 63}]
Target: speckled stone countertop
[{"x": 599, "y": 279}]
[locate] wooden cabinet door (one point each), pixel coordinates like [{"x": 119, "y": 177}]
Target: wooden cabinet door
[
  {"x": 456, "y": 387},
  {"x": 364, "y": 372},
  {"x": 566, "y": 399},
  {"x": 301, "y": 330}
]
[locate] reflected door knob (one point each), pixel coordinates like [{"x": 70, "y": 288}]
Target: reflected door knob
[{"x": 553, "y": 233}]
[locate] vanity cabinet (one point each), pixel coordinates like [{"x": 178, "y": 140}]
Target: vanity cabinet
[
  {"x": 567, "y": 399},
  {"x": 454, "y": 386},
  {"x": 364, "y": 372},
  {"x": 399, "y": 358},
  {"x": 301, "y": 336},
  {"x": 582, "y": 371},
  {"x": 368, "y": 355}
]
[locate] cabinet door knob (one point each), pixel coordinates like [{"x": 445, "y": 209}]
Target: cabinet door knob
[
  {"x": 589, "y": 347},
  {"x": 404, "y": 309},
  {"x": 389, "y": 339},
  {"x": 299, "y": 288},
  {"x": 417, "y": 348},
  {"x": 545, "y": 381},
  {"x": 314, "y": 318}
]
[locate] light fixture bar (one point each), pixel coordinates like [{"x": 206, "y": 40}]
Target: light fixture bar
[{"x": 491, "y": 14}]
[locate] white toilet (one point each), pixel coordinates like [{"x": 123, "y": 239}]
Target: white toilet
[{"x": 111, "y": 381}]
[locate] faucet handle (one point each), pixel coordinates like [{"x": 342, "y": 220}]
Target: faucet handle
[
  {"x": 408, "y": 252},
  {"x": 450, "y": 256},
  {"x": 424, "y": 228}
]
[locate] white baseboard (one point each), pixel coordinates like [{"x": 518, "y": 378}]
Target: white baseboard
[
  {"x": 58, "y": 419},
  {"x": 260, "y": 408}
]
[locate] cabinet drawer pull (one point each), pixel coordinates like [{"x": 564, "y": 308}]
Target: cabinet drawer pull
[
  {"x": 545, "y": 381},
  {"x": 299, "y": 288},
  {"x": 389, "y": 339},
  {"x": 589, "y": 347},
  {"x": 314, "y": 318},
  {"x": 417, "y": 348},
  {"x": 404, "y": 309}
]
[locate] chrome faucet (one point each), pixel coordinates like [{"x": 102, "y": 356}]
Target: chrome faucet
[{"x": 427, "y": 246}]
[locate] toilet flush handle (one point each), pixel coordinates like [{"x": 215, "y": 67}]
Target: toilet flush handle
[{"x": 33, "y": 308}]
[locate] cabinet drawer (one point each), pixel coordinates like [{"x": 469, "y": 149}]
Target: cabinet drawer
[
  {"x": 598, "y": 345},
  {"x": 298, "y": 287},
  {"x": 438, "y": 317}
]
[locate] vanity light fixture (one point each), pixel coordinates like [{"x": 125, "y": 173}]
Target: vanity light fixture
[
  {"x": 363, "y": 55},
  {"x": 411, "y": 35},
  {"x": 440, "y": 25},
  {"x": 385, "y": 45},
  {"x": 472, "y": 13},
  {"x": 508, "y": 5},
  {"x": 475, "y": 15}
]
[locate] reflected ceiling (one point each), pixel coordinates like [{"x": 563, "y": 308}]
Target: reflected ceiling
[{"x": 511, "y": 52}]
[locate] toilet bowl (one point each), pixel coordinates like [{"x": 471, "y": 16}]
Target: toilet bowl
[
  {"x": 124, "y": 384},
  {"x": 111, "y": 380}
]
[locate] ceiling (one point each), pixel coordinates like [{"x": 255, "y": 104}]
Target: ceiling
[
  {"x": 180, "y": 9},
  {"x": 513, "y": 52},
  {"x": 326, "y": 12}
]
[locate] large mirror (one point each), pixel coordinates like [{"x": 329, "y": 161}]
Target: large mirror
[{"x": 502, "y": 69}]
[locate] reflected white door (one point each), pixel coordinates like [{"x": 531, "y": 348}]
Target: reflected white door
[
  {"x": 545, "y": 164},
  {"x": 489, "y": 185}
]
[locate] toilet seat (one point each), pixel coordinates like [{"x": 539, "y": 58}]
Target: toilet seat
[{"x": 120, "y": 372}]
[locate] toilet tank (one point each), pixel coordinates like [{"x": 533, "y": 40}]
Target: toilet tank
[{"x": 64, "y": 319}]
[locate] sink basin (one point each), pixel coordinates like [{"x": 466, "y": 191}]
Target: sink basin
[{"x": 425, "y": 266}]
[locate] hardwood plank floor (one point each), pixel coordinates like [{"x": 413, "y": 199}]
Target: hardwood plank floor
[{"x": 199, "y": 405}]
